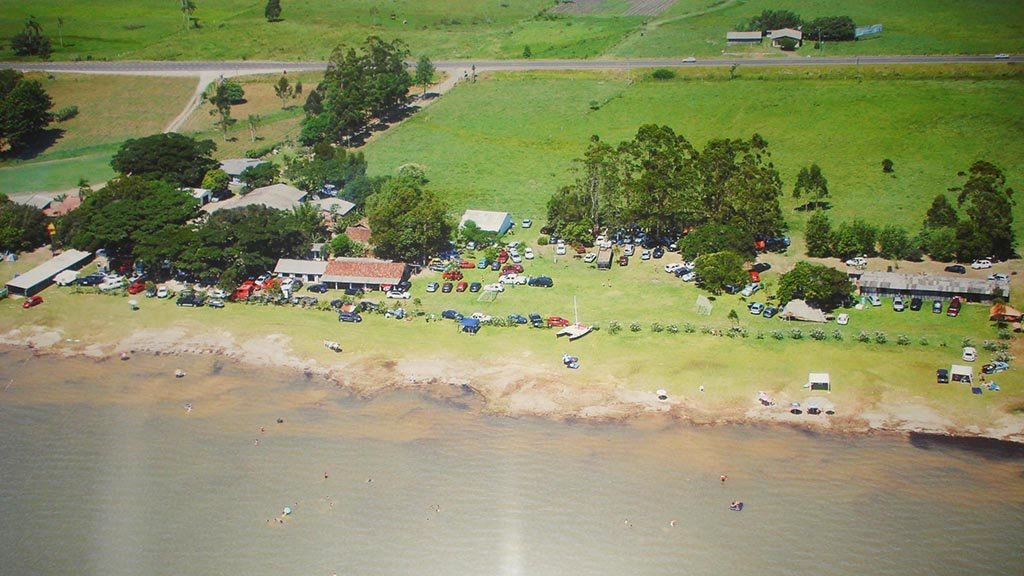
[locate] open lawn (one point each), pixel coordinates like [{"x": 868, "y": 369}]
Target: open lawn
[
  {"x": 111, "y": 109},
  {"x": 698, "y": 27},
  {"x": 237, "y": 29},
  {"x": 508, "y": 141}
]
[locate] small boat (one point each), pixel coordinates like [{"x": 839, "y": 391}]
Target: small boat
[
  {"x": 330, "y": 345},
  {"x": 179, "y": 373},
  {"x": 736, "y": 506}
]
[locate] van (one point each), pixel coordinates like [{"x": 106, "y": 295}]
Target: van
[
  {"x": 875, "y": 300},
  {"x": 897, "y": 304}
]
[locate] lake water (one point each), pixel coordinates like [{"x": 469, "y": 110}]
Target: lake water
[{"x": 104, "y": 472}]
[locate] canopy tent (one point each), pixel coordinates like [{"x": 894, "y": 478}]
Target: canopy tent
[
  {"x": 800, "y": 310},
  {"x": 470, "y": 325},
  {"x": 1004, "y": 313},
  {"x": 819, "y": 381},
  {"x": 961, "y": 373}
]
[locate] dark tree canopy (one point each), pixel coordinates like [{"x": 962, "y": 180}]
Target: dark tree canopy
[
  {"x": 988, "y": 205},
  {"x": 22, "y": 228},
  {"x": 810, "y": 182},
  {"x": 819, "y": 235},
  {"x": 273, "y": 10},
  {"x": 831, "y": 28},
  {"x": 259, "y": 175},
  {"x": 819, "y": 285},
  {"x": 245, "y": 241},
  {"x": 409, "y": 223},
  {"x": 714, "y": 237},
  {"x": 773, "y": 20},
  {"x": 31, "y": 41},
  {"x": 24, "y": 110},
  {"x": 718, "y": 269},
  {"x": 854, "y": 239},
  {"x": 941, "y": 213},
  {"x": 171, "y": 157},
  {"x": 424, "y": 72},
  {"x": 328, "y": 166},
  {"x": 894, "y": 242}
]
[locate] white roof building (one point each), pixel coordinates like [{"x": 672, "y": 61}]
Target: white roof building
[
  {"x": 235, "y": 166},
  {"x": 39, "y": 277},
  {"x": 487, "y": 220},
  {"x": 279, "y": 196}
]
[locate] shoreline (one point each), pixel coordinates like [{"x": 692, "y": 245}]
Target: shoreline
[{"x": 522, "y": 392}]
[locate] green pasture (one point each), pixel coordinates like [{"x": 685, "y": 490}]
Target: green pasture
[
  {"x": 509, "y": 141},
  {"x": 698, "y": 27},
  {"x": 237, "y": 29}
]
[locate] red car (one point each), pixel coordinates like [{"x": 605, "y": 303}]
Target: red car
[
  {"x": 136, "y": 287},
  {"x": 452, "y": 275},
  {"x": 503, "y": 256},
  {"x": 623, "y": 260},
  {"x": 755, "y": 276},
  {"x": 32, "y": 301},
  {"x": 461, "y": 286},
  {"x": 954, "y": 307},
  {"x": 512, "y": 269},
  {"x": 581, "y": 249},
  {"x": 557, "y": 321},
  {"x": 467, "y": 264}
]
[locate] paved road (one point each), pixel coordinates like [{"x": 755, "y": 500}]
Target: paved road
[{"x": 234, "y": 68}]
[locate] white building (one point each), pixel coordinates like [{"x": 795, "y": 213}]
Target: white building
[{"x": 487, "y": 221}]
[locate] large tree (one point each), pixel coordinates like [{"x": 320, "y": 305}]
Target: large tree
[
  {"x": 409, "y": 223},
  {"x": 941, "y": 213},
  {"x": 988, "y": 204},
  {"x": 126, "y": 212},
  {"x": 773, "y": 20},
  {"x": 739, "y": 185},
  {"x": 244, "y": 241},
  {"x": 831, "y": 28},
  {"x": 594, "y": 190},
  {"x": 24, "y": 110},
  {"x": 714, "y": 237},
  {"x": 31, "y": 41},
  {"x": 811, "y": 183},
  {"x": 22, "y": 227},
  {"x": 273, "y": 10},
  {"x": 424, "y": 72},
  {"x": 823, "y": 286},
  {"x": 718, "y": 269},
  {"x": 222, "y": 95},
  {"x": 259, "y": 175},
  {"x": 171, "y": 157},
  {"x": 327, "y": 166},
  {"x": 819, "y": 235},
  {"x": 894, "y": 242},
  {"x": 658, "y": 179}
]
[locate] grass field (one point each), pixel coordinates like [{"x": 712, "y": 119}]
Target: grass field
[
  {"x": 508, "y": 142},
  {"x": 698, "y": 27},
  {"x": 236, "y": 29},
  {"x": 111, "y": 109}
]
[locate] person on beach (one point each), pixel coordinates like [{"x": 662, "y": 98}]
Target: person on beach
[{"x": 724, "y": 478}]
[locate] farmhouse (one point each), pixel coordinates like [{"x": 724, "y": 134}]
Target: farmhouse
[
  {"x": 235, "y": 166},
  {"x": 279, "y": 196},
  {"x": 743, "y": 37},
  {"x": 777, "y": 35},
  {"x": 936, "y": 287},
  {"x": 487, "y": 221},
  {"x": 40, "y": 277},
  {"x": 359, "y": 273}
]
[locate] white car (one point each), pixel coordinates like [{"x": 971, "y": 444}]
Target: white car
[
  {"x": 628, "y": 250},
  {"x": 291, "y": 284},
  {"x": 528, "y": 254},
  {"x": 560, "y": 248},
  {"x": 1001, "y": 56},
  {"x": 689, "y": 60},
  {"x": 970, "y": 354},
  {"x": 857, "y": 262},
  {"x": 981, "y": 264},
  {"x": 875, "y": 300},
  {"x": 516, "y": 258},
  {"x": 482, "y": 317},
  {"x": 111, "y": 284},
  {"x": 218, "y": 293},
  {"x": 1000, "y": 277},
  {"x": 510, "y": 279},
  {"x": 749, "y": 289},
  {"x": 689, "y": 277},
  {"x": 756, "y": 308},
  {"x": 843, "y": 319},
  {"x": 645, "y": 255},
  {"x": 590, "y": 257},
  {"x": 162, "y": 292},
  {"x": 527, "y": 222},
  {"x": 672, "y": 267},
  {"x": 398, "y": 294},
  {"x": 496, "y": 287}
]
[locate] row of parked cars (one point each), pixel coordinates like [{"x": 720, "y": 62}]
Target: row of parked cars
[
  {"x": 899, "y": 304},
  {"x": 534, "y": 319}
]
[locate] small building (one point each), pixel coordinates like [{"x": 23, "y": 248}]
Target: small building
[
  {"x": 736, "y": 37},
  {"x": 932, "y": 286},
  {"x": 1004, "y": 313},
  {"x": 819, "y": 381},
  {"x": 317, "y": 251},
  {"x": 202, "y": 195},
  {"x": 235, "y": 166},
  {"x": 41, "y": 276},
  {"x": 277, "y": 196},
  {"x": 305, "y": 270},
  {"x": 360, "y": 232},
  {"x": 961, "y": 373},
  {"x": 64, "y": 206},
  {"x": 488, "y": 221},
  {"x": 777, "y": 35},
  {"x": 41, "y": 201},
  {"x": 333, "y": 207},
  {"x": 364, "y": 273}
]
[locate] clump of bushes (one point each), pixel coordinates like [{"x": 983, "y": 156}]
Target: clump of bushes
[
  {"x": 881, "y": 338},
  {"x": 65, "y": 113},
  {"x": 614, "y": 327},
  {"x": 818, "y": 334},
  {"x": 663, "y": 74},
  {"x": 657, "y": 327},
  {"x": 634, "y": 326},
  {"x": 902, "y": 340}
]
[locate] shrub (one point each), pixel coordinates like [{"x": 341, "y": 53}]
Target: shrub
[
  {"x": 887, "y": 166},
  {"x": 65, "y": 113},
  {"x": 262, "y": 150},
  {"x": 542, "y": 241},
  {"x": 863, "y": 337},
  {"x": 923, "y": 341},
  {"x": 663, "y": 74},
  {"x": 966, "y": 341},
  {"x": 1004, "y": 334},
  {"x": 634, "y": 326},
  {"x": 778, "y": 334},
  {"x": 688, "y": 328},
  {"x": 903, "y": 340},
  {"x": 880, "y": 337},
  {"x": 818, "y": 334},
  {"x": 656, "y": 327},
  {"x": 760, "y": 335},
  {"x": 595, "y": 105},
  {"x": 796, "y": 333},
  {"x": 614, "y": 327},
  {"x": 1002, "y": 356},
  {"x": 673, "y": 329},
  {"x": 837, "y": 335}
]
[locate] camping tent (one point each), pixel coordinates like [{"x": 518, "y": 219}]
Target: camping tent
[
  {"x": 1004, "y": 313},
  {"x": 961, "y": 373},
  {"x": 470, "y": 325},
  {"x": 800, "y": 310},
  {"x": 819, "y": 381}
]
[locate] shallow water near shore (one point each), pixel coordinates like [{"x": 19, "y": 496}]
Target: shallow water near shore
[{"x": 104, "y": 472}]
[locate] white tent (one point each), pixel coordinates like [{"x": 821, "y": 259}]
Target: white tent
[
  {"x": 961, "y": 373},
  {"x": 800, "y": 310},
  {"x": 819, "y": 381}
]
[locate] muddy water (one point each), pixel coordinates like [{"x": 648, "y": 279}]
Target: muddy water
[{"x": 104, "y": 472}]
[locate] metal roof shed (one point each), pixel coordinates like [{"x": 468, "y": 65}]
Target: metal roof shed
[
  {"x": 961, "y": 373},
  {"x": 819, "y": 381},
  {"x": 40, "y": 277}
]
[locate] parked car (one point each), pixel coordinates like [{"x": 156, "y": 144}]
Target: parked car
[
  {"x": 756, "y": 308},
  {"x": 515, "y": 257},
  {"x": 91, "y": 280},
  {"x": 136, "y": 287},
  {"x": 673, "y": 266},
  {"x": 433, "y": 286},
  {"x": 937, "y": 307},
  {"x": 467, "y": 264},
  {"x": 843, "y": 319},
  {"x": 875, "y": 300},
  {"x": 291, "y": 284},
  {"x": 915, "y": 303},
  {"x": 496, "y": 266},
  {"x": 111, "y": 284},
  {"x": 447, "y": 287},
  {"x": 451, "y": 315},
  {"x": 536, "y": 320},
  {"x": 32, "y": 301},
  {"x": 623, "y": 260},
  {"x": 452, "y": 275},
  {"x": 897, "y": 304},
  {"x": 215, "y": 303},
  {"x": 190, "y": 299},
  {"x": 162, "y": 292},
  {"x": 399, "y": 294},
  {"x": 628, "y": 249},
  {"x": 769, "y": 312},
  {"x": 318, "y": 288},
  {"x": 557, "y": 321},
  {"x": 857, "y": 262},
  {"x": 732, "y": 288},
  {"x": 1001, "y": 56},
  {"x": 496, "y": 287},
  {"x": 262, "y": 279},
  {"x": 658, "y": 252},
  {"x": 528, "y": 254},
  {"x": 436, "y": 266},
  {"x": 956, "y": 269},
  {"x": 542, "y": 281},
  {"x": 461, "y": 286},
  {"x": 981, "y": 264},
  {"x": 645, "y": 255},
  {"x": 999, "y": 277},
  {"x": 349, "y": 317},
  {"x": 474, "y": 287},
  {"x": 482, "y": 264},
  {"x": 942, "y": 376},
  {"x": 750, "y": 289},
  {"x": 590, "y": 257},
  {"x": 954, "y": 307},
  {"x": 970, "y": 354},
  {"x": 517, "y": 319},
  {"x": 512, "y": 269},
  {"x": 527, "y": 222},
  {"x": 483, "y": 318},
  {"x": 993, "y": 367},
  {"x": 560, "y": 248},
  {"x": 761, "y": 267},
  {"x": 690, "y": 276}
]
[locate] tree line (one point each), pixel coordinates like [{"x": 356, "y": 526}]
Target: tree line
[{"x": 831, "y": 28}]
